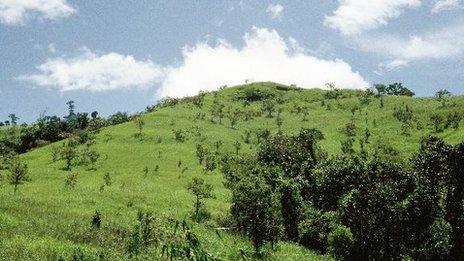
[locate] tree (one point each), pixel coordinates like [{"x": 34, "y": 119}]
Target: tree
[
  {"x": 139, "y": 123},
  {"x": 94, "y": 115},
  {"x": 13, "y": 119},
  {"x": 256, "y": 206},
  {"x": 201, "y": 190},
  {"x": 279, "y": 120},
  {"x": 380, "y": 88},
  {"x": 442, "y": 96},
  {"x": 437, "y": 121},
  {"x": 234, "y": 117},
  {"x": 71, "y": 118},
  {"x": 237, "y": 146},
  {"x": 201, "y": 153},
  {"x": 268, "y": 106},
  {"x": 68, "y": 152},
  {"x": 398, "y": 89},
  {"x": 18, "y": 173}
]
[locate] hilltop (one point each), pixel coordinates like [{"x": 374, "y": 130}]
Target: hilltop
[{"x": 149, "y": 172}]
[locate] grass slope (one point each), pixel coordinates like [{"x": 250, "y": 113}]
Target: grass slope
[{"x": 45, "y": 219}]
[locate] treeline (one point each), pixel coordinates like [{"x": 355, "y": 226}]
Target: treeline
[
  {"x": 16, "y": 139},
  {"x": 352, "y": 205}
]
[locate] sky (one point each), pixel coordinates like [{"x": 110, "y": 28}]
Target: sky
[{"x": 114, "y": 55}]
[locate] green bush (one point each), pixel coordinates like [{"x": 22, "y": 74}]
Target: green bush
[{"x": 340, "y": 241}]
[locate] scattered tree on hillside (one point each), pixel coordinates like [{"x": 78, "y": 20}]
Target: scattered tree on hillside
[
  {"x": 237, "y": 146},
  {"x": 69, "y": 152},
  {"x": 217, "y": 111},
  {"x": 437, "y": 121},
  {"x": 18, "y": 173},
  {"x": 279, "y": 120},
  {"x": 198, "y": 100},
  {"x": 268, "y": 106},
  {"x": 234, "y": 116},
  {"x": 179, "y": 135},
  {"x": 453, "y": 119},
  {"x": 107, "y": 179},
  {"x": 380, "y": 88},
  {"x": 200, "y": 152},
  {"x": 201, "y": 190},
  {"x": 71, "y": 180},
  {"x": 139, "y": 123},
  {"x": 443, "y": 96},
  {"x": 398, "y": 89},
  {"x": 13, "y": 119}
]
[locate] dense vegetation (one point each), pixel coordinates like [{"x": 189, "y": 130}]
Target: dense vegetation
[
  {"x": 256, "y": 171},
  {"x": 47, "y": 129}
]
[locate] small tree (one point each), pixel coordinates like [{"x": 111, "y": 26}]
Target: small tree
[
  {"x": 234, "y": 117},
  {"x": 279, "y": 120},
  {"x": 107, "y": 179},
  {"x": 179, "y": 135},
  {"x": 71, "y": 180},
  {"x": 18, "y": 173},
  {"x": 201, "y": 190},
  {"x": 437, "y": 121},
  {"x": 380, "y": 88},
  {"x": 237, "y": 146},
  {"x": 139, "y": 122},
  {"x": 200, "y": 153},
  {"x": 442, "y": 96},
  {"x": 13, "y": 119},
  {"x": 69, "y": 152},
  {"x": 269, "y": 107}
]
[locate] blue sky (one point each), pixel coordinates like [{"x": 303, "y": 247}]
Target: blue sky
[{"x": 124, "y": 55}]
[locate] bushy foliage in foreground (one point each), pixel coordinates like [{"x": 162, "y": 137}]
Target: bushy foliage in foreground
[{"x": 350, "y": 205}]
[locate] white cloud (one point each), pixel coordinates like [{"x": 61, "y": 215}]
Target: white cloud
[
  {"x": 93, "y": 72},
  {"x": 265, "y": 56},
  {"x": 355, "y": 16},
  {"x": 446, "y": 5},
  {"x": 275, "y": 11},
  {"x": 442, "y": 44},
  {"x": 14, "y": 12},
  {"x": 447, "y": 43},
  {"x": 391, "y": 66}
]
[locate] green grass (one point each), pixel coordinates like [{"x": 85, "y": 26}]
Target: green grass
[{"x": 45, "y": 219}]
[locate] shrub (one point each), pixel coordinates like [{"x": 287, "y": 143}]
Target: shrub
[
  {"x": 145, "y": 233},
  {"x": 403, "y": 113},
  {"x": 179, "y": 135},
  {"x": 96, "y": 220},
  {"x": 71, "y": 180},
  {"x": 340, "y": 241},
  {"x": 315, "y": 227},
  {"x": 18, "y": 173}
]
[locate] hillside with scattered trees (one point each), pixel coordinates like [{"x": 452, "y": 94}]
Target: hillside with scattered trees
[{"x": 259, "y": 171}]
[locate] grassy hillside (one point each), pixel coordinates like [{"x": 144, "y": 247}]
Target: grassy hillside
[{"x": 45, "y": 219}]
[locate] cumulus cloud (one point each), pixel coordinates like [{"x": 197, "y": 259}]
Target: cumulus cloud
[
  {"x": 90, "y": 71},
  {"x": 446, "y": 5},
  {"x": 265, "y": 56},
  {"x": 15, "y": 12},
  {"x": 447, "y": 43},
  {"x": 275, "y": 11},
  {"x": 355, "y": 16},
  {"x": 442, "y": 44}
]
